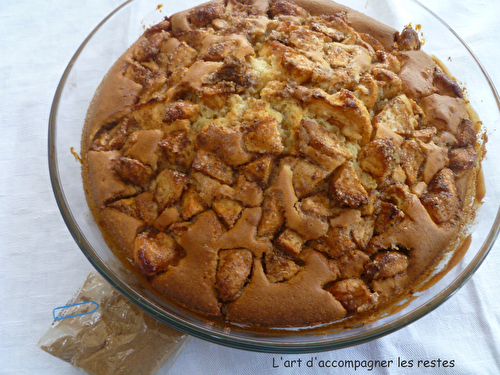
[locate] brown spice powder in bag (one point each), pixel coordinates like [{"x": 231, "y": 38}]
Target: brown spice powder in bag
[{"x": 117, "y": 338}]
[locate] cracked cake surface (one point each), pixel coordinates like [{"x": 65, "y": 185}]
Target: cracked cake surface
[{"x": 279, "y": 163}]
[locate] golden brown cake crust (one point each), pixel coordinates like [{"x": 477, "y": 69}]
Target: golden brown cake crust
[
  {"x": 358, "y": 21},
  {"x": 279, "y": 163},
  {"x": 114, "y": 97}
]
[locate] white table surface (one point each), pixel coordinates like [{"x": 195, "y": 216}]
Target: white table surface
[{"x": 41, "y": 266}]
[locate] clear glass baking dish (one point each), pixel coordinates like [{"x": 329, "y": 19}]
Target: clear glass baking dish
[{"x": 118, "y": 31}]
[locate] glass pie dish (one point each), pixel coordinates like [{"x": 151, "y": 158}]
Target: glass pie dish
[{"x": 74, "y": 95}]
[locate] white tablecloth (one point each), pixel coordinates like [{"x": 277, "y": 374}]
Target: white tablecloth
[{"x": 41, "y": 266}]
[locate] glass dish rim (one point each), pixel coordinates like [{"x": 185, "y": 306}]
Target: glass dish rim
[{"x": 218, "y": 337}]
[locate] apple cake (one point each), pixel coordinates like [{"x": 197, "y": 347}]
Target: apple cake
[{"x": 279, "y": 163}]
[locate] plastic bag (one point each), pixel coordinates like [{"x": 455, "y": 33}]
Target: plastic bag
[{"x": 114, "y": 338}]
